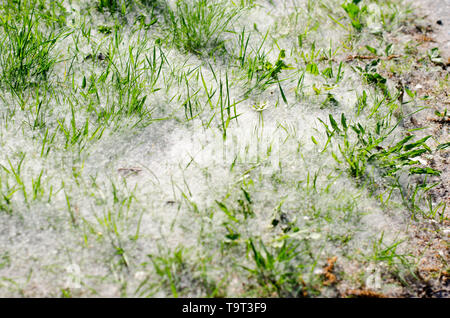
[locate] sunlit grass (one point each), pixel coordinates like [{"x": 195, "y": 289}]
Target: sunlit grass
[{"x": 208, "y": 148}]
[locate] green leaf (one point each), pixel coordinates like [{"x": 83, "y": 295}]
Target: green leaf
[
  {"x": 443, "y": 146},
  {"x": 224, "y": 208},
  {"x": 435, "y": 56},
  {"x": 334, "y": 123},
  {"x": 372, "y": 66},
  {"x": 351, "y": 9},
  {"x": 357, "y": 25},
  {"x": 316, "y": 90},
  {"x": 371, "y": 50},
  {"x": 330, "y": 101},
  {"x": 344, "y": 122},
  {"x": 416, "y": 144},
  {"x": 424, "y": 171},
  {"x": 328, "y": 72},
  {"x": 375, "y": 78},
  {"x": 300, "y": 41},
  {"x": 400, "y": 144},
  {"x": 282, "y": 94},
  {"x": 411, "y": 154},
  {"x": 409, "y": 92},
  {"x": 388, "y": 49},
  {"x": 312, "y": 68},
  {"x": 247, "y": 195}
]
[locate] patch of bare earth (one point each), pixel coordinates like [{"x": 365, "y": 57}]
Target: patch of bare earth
[{"x": 430, "y": 80}]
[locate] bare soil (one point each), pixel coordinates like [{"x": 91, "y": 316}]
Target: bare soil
[{"x": 432, "y": 29}]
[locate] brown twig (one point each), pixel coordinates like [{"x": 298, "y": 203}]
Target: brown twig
[
  {"x": 128, "y": 171},
  {"x": 371, "y": 57},
  {"x": 363, "y": 293}
]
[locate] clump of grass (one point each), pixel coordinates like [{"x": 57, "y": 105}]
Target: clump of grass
[
  {"x": 266, "y": 72},
  {"x": 25, "y": 52},
  {"x": 260, "y": 72},
  {"x": 113, "y": 6},
  {"x": 355, "y": 13},
  {"x": 199, "y": 25},
  {"x": 177, "y": 274},
  {"x": 273, "y": 269},
  {"x": 368, "y": 150},
  {"x": 286, "y": 206},
  {"x": 372, "y": 77},
  {"x": 6, "y": 193},
  {"x": 400, "y": 264}
]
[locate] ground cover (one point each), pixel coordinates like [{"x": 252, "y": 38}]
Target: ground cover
[{"x": 222, "y": 149}]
